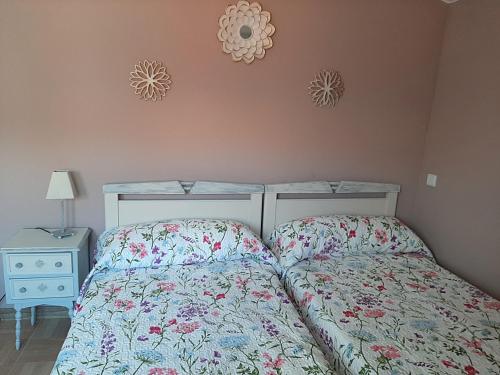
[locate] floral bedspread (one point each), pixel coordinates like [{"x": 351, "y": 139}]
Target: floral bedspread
[
  {"x": 396, "y": 314},
  {"x": 229, "y": 317}
]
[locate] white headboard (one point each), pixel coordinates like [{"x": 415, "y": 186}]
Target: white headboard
[
  {"x": 128, "y": 203},
  {"x": 285, "y": 202}
]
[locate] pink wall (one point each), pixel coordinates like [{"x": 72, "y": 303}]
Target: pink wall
[
  {"x": 65, "y": 100},
  {"x": 460, "y": 218}
]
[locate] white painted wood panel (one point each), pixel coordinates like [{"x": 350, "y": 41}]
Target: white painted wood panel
[
  {"x": 329, "y": 187},
  {"x": 111, "y": 211},
  {"x": 38, "y": 264},
  {"x": 182, "y": 187},
  {"x": 208, "y": 187},
  {"x": 34, "y": 240},
  {"x": 366, "y": 187},
  {"x": 319, "y": 187},
  {"x": 290, "y": 209},
  {"x": 351, "y": 197},
  {"x": 42, "y": 288},
  {"x": 164, "y": 187},
  {"x": 136, "y": 211},
  {"x": 200, "y": 199}
]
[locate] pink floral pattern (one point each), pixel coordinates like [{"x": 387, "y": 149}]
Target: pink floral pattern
[
  {"x": 231, "y": 317},
  {"x": 333, "y": 236},
  {"x": 176, "y": 242},
  {"x": 396, "y": 314}
]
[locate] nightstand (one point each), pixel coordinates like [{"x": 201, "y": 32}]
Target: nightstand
[{"x": 42, "y": 270}]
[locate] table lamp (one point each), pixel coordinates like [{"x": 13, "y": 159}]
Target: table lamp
[{"x": 61, "y": 187}]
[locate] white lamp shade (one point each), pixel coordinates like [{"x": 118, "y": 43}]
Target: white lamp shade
[{"x": 61, "y": 186}]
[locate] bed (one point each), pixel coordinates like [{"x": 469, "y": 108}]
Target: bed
[
  {"x": 369, "y": 289},
  {"x": 185, "y": 295}
]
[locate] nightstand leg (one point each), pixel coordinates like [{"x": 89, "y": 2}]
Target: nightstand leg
[
  {"x": 33, "y": 315},
  {"x": 70, "y": 311},
  {"x": 18, "y": 328}
]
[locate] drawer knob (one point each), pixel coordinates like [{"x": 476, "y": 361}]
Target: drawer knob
[
  {"x": 60, "y": 288},
  {"x": 58, "y": 264},
  {"x": 19, "y": 265},
  {"x": 42, "y": 287},
  {"x": 39, "y": 263},
  {"x": 22, "y": 290}
]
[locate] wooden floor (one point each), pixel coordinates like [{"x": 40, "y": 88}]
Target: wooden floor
[{"x": 39, "y": 348}]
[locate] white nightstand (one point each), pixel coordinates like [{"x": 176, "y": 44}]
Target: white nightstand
[{"x": 42, "y": 270}]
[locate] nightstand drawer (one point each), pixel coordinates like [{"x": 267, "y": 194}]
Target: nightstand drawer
[
  {"x": 41, "y": 288},
  {"x": 39, "y": 263}
]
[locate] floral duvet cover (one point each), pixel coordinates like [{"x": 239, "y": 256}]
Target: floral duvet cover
[
  {"x": 229, "y": 317},
  {"x": 396, "y": 314}
]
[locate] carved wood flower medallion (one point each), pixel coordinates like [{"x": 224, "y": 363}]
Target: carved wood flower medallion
[
  {"x": 150, "y": 80},
  {"x": 245, "y": 31},
  {"x": 327, "y": 88}
]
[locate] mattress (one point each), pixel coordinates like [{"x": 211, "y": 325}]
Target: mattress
[
  {"x": 396, "y": 314},
  {"x": 231, "y": 317}
]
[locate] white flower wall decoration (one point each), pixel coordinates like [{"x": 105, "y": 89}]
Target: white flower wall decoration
[
  {"x": 150, "y": 80},
  {"x": 245, "y": 31},
  {"x": 327, "y": 88}
]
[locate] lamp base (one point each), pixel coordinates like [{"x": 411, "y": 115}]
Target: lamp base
[{"x": 62, "y": 233}]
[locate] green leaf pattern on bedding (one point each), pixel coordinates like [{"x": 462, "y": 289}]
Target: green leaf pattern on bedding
[
  {"x": 396, "y": 314},
  {"x": 341, "y": 235},
  {"x": 229, "y": 317}
]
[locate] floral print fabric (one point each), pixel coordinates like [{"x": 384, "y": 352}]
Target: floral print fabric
[
  {"x": 396, "y": 314},
  {"x": 340, "y": 235},
  {"x": 174, "y": 242},
  {"x": 229, "y": 317}
]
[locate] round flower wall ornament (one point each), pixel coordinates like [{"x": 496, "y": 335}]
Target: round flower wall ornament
[
  {"x": 327, "y": 88},
  {"x": 245, "y": 31},
  {"x": 150, "y": 80}
]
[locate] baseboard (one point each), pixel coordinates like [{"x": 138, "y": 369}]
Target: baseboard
[{"x": 43, "y": 312}]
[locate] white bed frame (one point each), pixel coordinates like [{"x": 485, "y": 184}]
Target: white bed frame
[
  {"x": 129, "y": 203},
  {"x": 285, "y": 202},
  {"x": 260, "y": 207}
]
